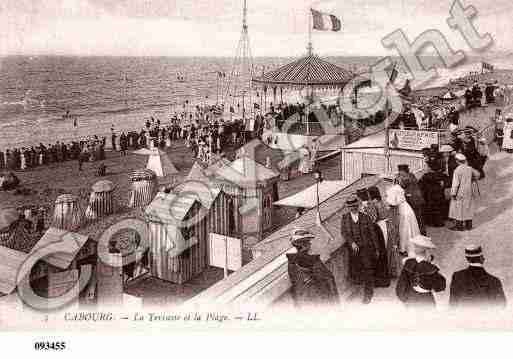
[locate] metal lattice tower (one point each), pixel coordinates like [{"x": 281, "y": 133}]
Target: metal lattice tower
[{"x": 239, "y": 89}]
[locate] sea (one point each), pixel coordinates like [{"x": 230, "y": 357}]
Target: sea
[{"x": 98, "y": 93}]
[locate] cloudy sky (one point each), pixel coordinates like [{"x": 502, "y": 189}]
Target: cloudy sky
[{"x": 212, "y": 27}]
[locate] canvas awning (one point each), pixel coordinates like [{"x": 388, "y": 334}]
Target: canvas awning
[
  {"x": 67, "y": 243},
  {"x": 306, "y": 71},
  {"x": 198, "y": 184},
  {"x": 169, "y": 208},
  {"x": 246, "y": 172},
  {"x": 308, "y": 197}
]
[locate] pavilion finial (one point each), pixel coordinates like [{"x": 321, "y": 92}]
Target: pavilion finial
[{"x": 309, "y": 48}]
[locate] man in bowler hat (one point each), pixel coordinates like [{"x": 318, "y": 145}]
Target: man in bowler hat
[{"x": 358, "y": 231}]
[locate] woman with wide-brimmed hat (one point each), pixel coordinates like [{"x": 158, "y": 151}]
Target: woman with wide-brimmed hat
[{"x": 312, "y": 282}]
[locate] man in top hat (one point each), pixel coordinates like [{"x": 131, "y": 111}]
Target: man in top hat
[
  {"x": 420, "y": 278},
  {"x": 358, "y": 231},
  {"x": 474, "y": 285},
  {"x": 312, "y": 282},
  {"x": 412, "y": 192},
  {"x": 461, "y": 208}
]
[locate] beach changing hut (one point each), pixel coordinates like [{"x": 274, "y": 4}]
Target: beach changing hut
[
  {"x": 253, "y": 189},
  {"x": 67, "y": 213},
  {"x": 180, "y": 224},
  {"x": 8, "y": 215},
  {"x": 68, "y": 256},
  {"x": 101, "y": 201},
  {"x": 143, "y": 188},
  {"x": 158, "y": 161}
]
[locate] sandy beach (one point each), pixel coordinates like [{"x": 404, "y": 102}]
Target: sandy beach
[{"x": 44, "y": 184}]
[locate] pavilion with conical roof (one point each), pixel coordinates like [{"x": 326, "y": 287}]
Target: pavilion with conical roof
[{"x": 309, "y": 71}]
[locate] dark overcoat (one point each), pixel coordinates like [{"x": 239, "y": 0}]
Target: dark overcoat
[
  {"x": 417, "y": 282},
  {"x": 364, "y": 235},
  {"x": 475, "y": 286},
  {"x": 312, "y": 282}
]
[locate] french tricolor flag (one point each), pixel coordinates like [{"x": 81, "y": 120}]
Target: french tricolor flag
[{"x": 325, "y": 22}]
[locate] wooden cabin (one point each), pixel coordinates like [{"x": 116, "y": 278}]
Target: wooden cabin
[
  {"x": 252, "y": 188},
  {"x": 180, "y": 224},
  {"x": 69, "y": 255}
]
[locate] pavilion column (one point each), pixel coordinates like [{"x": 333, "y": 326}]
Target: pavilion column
[
  {"x": 281, "y": 95},
  {"x": 274, "y": 96},
  {"x": 265, "y": 99}
]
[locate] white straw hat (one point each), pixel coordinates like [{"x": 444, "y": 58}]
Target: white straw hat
[{"x": 422, "y": 241}]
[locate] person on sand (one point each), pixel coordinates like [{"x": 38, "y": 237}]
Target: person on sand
[
  {"x": 113, "y": 139},
  {"x": 82, "y": 157}
]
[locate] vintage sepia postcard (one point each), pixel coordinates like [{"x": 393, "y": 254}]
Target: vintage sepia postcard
[{"x": 248, "y": 165}]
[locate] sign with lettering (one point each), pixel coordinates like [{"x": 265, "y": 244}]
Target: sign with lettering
[
  {"x": 225, "y": 251},
  {"x": 412, "y": 140}
]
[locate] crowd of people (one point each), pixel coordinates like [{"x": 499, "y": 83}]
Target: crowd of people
[
  {"x": 387, "y": 236},
  {"x": 34, "y": 156},
  {"x": 203, "y": 132},
  {"x": 385, "y": 242}
]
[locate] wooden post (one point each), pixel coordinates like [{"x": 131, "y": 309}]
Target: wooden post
[
  {"x": 225, "y": 269},
  {"x": 387, "y": 149},
  {"x": 265, "y": 99},
  {"x": 343, "y": 166}
]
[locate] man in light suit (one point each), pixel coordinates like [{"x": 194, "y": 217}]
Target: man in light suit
[{"x": 462, "y": 196}]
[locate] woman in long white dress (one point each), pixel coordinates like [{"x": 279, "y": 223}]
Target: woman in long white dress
[
  {"x": 408, "y": 225},
  {"x": 507, "y": 141},
  {"x": 23, "y": 161}
]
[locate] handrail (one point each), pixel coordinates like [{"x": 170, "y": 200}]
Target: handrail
[
  {"x": 422, "y": 129},
  {"x": 362, "y": 148}
]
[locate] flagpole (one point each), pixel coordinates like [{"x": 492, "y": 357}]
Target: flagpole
[{"x": 310, "y": 46}]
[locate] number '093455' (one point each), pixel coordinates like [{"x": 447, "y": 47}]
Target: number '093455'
[{"x": 57, "y": 346}]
